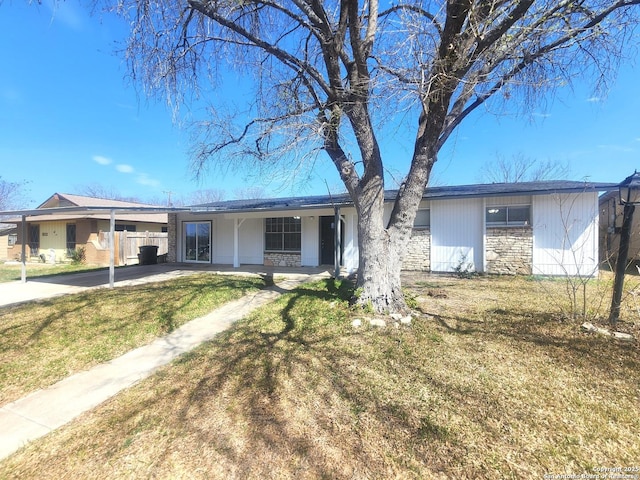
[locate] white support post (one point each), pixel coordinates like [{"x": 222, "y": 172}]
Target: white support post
[
  {"x": 23, "y": 274},
  {"x": 236, "y": 241},
  {"x": 337, "y": 242},
  {"x": 112, "y": 247}
]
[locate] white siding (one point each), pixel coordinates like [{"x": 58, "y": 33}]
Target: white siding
[
  {"x": 251, "y": 241},
  {"x": 350, "y": 252},
  {"x": 310, "y": 251},
  {"x": 565, "y": 234},
  {"x": 456, "y": 234},
  {"x": 222, "y": 241}
]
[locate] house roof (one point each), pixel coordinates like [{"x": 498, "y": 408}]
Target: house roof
[
  {"x": 63, "y": 206},
  {"x": 431, "y": 193},
  {"x": 71, "y": 200}
]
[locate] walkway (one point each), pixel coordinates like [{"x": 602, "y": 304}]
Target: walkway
[{"x": 45, "y": 410}]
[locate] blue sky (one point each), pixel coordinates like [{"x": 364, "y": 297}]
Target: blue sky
[{"x": 68, "y": 119}]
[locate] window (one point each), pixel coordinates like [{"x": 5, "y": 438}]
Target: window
[
  {"x": 197, "y": 242},
  {"x": 13, "y": 239},
  {"x": 283, "y": 234},
  {"x": 71, "y": 238},
  {"x": 423, "y": 219},
  {"x": 34, "y": 239},
  {"x": 511, "y": 215},
  {"x": 121, "y": 227}
]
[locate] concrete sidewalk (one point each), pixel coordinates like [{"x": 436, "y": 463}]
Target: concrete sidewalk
[{"x": 42, "y": 411}]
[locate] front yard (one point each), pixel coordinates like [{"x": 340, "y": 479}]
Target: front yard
[
  {"x": 12, "y": 271},
  {"x": 491, "y": 380},
  {"x": 46, "y": 341}
]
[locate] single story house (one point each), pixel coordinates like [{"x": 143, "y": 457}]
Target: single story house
[
  {"x": 547, "y": 228},
  {"x": 55, "y": 237},
  {"x": 610, "y": 226},
  {"x": 8, "y": 237}
]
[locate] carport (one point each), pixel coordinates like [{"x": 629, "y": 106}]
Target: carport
[{"x": 112, "y": 211}]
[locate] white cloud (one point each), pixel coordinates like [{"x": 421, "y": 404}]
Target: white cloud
[
  {"x": 101, "y": 160},
  {"x": 594, "y": 99},
  {"x": 144, "y": 179},
  {"x": 124, "y": 168}
]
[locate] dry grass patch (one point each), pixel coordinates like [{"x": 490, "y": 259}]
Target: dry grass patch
[
  {"x": 486, "y": 384},
  {"x": 43, "y": 342}
]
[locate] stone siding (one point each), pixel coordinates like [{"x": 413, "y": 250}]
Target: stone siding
[
  {"x": 282, "y": 259},
  {"x": 172, "y": 229},
  {"x": 418, "y": 254},
  {"x": 509, "y": 250}
]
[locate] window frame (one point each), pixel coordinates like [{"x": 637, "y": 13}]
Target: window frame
[
  {"x": 422, "y": 226},
  {"x": 283, "y": 234},
  {"x": 507, "y": 222}
]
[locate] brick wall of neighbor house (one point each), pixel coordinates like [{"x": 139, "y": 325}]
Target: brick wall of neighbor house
[
  {"x": 418, "y": 254},
  {"x": 282, "y": 259},
  {"x": 172, "y": 229},
  {"x": 509, "y": 250}
]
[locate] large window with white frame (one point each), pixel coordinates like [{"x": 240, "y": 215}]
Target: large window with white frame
[
  {"x": 282, "y": 234},
  {"x": 510, "y": 215},
  {"x": 197, "y": 241}
]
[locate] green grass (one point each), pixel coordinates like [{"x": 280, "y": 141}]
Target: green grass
[
  {"x": 11, "y": 272},
  {"x": 486, "y": 383},
  {"x": 43, "y": 342}
]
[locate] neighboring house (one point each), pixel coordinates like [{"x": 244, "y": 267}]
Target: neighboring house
[
  {"x": 610, "y": 225},
  {"x": 55, "y": 237},
  {"x": 8, "y": 237},
  {"x": 548, "y": 228}
]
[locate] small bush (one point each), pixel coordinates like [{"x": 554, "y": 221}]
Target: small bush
[{"x": 77, "y": 256}]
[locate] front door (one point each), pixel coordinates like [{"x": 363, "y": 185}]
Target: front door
[
  {"x": 197, "y": 242},
  {"x": 327, "y": 240}
]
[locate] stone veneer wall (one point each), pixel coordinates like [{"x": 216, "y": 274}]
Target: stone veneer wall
[
  {"x": 172, "y": 229},
  {"x": 282, "y": 259},
  {"x": 509, "y": 250},
  {"x": 418, "y": 254}
]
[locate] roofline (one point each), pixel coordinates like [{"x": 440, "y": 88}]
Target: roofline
[
  {"x": 89, "y": 211},
  {"x": 433, "y": 193},
  {"x": 321, "y": 201}
]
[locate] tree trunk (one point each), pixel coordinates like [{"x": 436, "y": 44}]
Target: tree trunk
[{"x": 380, "y": 260}]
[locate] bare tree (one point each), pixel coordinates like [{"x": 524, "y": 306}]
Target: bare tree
[
  {"x": 521, "y": 168},
  {"x": 97, "y": 190},
  {"x": 250, "y": 193},
  {"x": 208, "y": 195},
  {"x": 330, "y": 75},
  {"x": 11, "y": 194}
]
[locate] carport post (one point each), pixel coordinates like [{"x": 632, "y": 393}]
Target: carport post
[
  {"x": 336, "y": 242},
  {"x": 112, "y": 227},
  {"x": 23, "y": 274}
]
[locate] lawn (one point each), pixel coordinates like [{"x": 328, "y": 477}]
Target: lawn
[
  {"x": 490, "y": 381},
  {"x": 43, "y": 342},
  {"x": 10, "y": 272}
]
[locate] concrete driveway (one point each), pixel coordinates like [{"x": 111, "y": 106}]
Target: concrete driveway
[{"x": 47, "y": 287}]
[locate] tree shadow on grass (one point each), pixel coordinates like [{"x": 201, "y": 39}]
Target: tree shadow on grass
[
  {"x": 255, "y": 368},
  {"x": 561, "y": 340}
]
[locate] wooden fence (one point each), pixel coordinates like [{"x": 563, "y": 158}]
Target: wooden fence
[{"x": 128, "y": 245}]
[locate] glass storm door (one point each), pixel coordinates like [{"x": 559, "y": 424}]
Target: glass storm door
[{"x": 197, "y": 242}]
